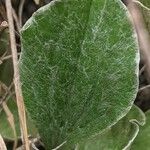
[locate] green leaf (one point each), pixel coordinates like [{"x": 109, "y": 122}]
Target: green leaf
[
  {"x": 5, "y": 128},
  {"x": 6, "y": 68},
  {"x": 120, "y": 136},
  {"x": 143, "y": 139},
  {"x": 78, "y": 68}
]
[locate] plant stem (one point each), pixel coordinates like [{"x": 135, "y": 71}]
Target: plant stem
[
  {"x": 142, "y": 33},
  {"x": 19, "y": 97}
]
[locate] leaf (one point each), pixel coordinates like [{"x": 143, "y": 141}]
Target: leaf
[
  {"x": 120, "y": 136},
  {"x": 6, "y": 68},
  {"x": 5, "y": 129},
  {"x": 143, "y": 138},
  {"x": 78, "y": 68}
]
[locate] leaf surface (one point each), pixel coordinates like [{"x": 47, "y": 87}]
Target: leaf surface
[
  {"x": 78, "y": 68},
  {"x": 143, "y": 139},
  {"x": 120, "y": 136}
]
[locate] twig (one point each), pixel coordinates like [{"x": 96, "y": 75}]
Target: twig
[
  {"x": 20, "y": 11},
  {"x": 142, "y": 70},
  {"x": 59, "y": 146},
  {"x": 10, "y": 116},
  {"x": 143, "y": 88},
  {"x": 142, "y": 5},
  {"x": 2, "y": 144},
  {"x": 11, "y": 121},
  {"x": 5, "y": 53},
  {"x": 143, "y": 35},
  {"x": 6, "y": 99},
  {"x": 19, "y": 97},
  {"x": 5, "y": 58},
  {"x": 7, "y": 95},
  {"x": 37, "y": 2},
  {"x": 34, "y": 143},
  {"x": 16, "y": 20},
  {"x": 7, "y": 91},
  {"x": 34, "y": 147}
]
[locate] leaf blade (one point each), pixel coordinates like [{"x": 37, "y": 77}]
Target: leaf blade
[
  {"x": 119, "y": 136},
  {"x": 67, "y": 79}
]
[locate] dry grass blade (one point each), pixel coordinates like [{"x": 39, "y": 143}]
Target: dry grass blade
[
  {"x": 37, "y": 2},
  {"x": 11, "y": 121},
  {"x": 7, "y": 98},
  {"x": 143, "y": 88},
  {"x": 142, "y": 70},
  {"x": 9, "y": 115},
  {"x": 20, "y": 11},
  {"x": 142, "y": 5},
  {"x": 7, "y": 91},
  {"x": 6, "y": 58},
  {"x": 2, "y": 144},
  {"x": 19, "y": 97},
  {"x": 16, "y": 20},
  {"x": 59, "y": 146}
]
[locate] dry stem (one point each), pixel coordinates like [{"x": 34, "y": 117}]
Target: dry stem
[
  {"x": 143, "y": 35},
  {"x": 19, "y": 97},
  {"x": 6, "y": 58},
  {"x": 11, "y": 121},
  {"x": 2, "y": 144},
  {"x": 20, "y": 11}
]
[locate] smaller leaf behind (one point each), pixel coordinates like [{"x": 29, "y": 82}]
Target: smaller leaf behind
[
  {"x": 142, "y": 142},
  {"x": 120, "y": 136},
  {"x": 6, "y": 68}
]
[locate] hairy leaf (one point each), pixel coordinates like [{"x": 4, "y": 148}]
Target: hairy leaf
[
  {"x": 143, "y": 139},
  {"x": 120, "y": 136},
  {"x": 78, "y": 68}
]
